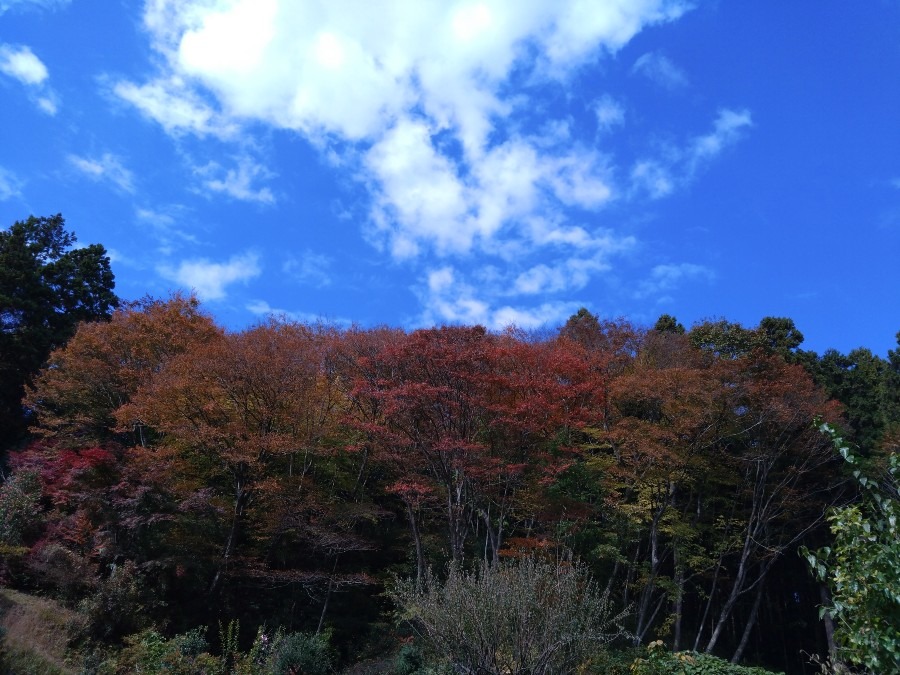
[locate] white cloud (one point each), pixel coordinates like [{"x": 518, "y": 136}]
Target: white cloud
[
  {"x": 661, "y": 70},
  {"x": 421, "y": 100},
  {"x": 568, "y": 275},
  {"x": 209, "y": 279},
  {"x": 10, "y": 185},
  {"x": 451, "y": 300},
  {"x": 176, "y": 107},
  {"x": 653, "y": 177},
  {"x": 108, "y": 167},
  {"x": 48, "y": 104},
  {"x": 21, "y": 64},
  {"x": 397, "y": 78},
  {"x": 421, "y": 197},
  {"x": 237, "y": 182}
]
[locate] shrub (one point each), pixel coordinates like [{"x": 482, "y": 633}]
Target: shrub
[
  {"x": 149, "y": 653},
  {"x": 862, "y": 568},
  {"x": 20, "y": 511},
  {"x": 305, "y": 653},
  {"x": 660, "y": 661},
  {"x": 412, "y": 660},
  {"x": 521, "y": 616},
  {"x": 116, "y": 607}
]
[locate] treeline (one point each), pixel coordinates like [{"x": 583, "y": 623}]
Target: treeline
[
  {"x": 180, "y": 475},
  {"x": 280, "y": 475}
]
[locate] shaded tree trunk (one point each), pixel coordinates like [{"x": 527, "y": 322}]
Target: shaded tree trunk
[{"x": 751, "y": 621}]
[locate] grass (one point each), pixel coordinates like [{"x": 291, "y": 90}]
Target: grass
[{"x": 36, "y": 634}]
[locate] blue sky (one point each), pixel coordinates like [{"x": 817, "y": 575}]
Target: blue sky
[{"x": 495, "y": 162}]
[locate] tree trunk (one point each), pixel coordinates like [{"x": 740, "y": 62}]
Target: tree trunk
[
  {"x": 417, "y": 540},
  {"x": 712, "y": 593},
  {"x": 327, "y": 595},
  {"x": 240, "y": 502},
  {"x": 751, "y": 621},
  {"x": 825, "y": 598},
  {"x": 456, "y": 516},
  {"x": 679, "y": 598}
]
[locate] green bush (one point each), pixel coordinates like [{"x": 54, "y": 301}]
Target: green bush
[
  {"x": 20, "y": 511},
  {"x": 306, "y": 653},
  {"x": 149, "y": 653},
  {"x": 862, "y": 568},
  {"x": 660, "y": 661},
  {"x": 412, "y": 660},
  {"x": 116, "y": 607}
]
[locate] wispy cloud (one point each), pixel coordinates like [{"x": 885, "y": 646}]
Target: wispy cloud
[
  {"x": 675, "y": 167},
  {"x": 661, "y": 70},
  {"x": 728, "y": 128},
  {"x": 21, "y": 64},
  {"x": 6, "y": 5},
  {"x": 210, "y": 279},
  {"x": 106, "y": 168},
  {"x": 448, "y": 299},
  {"x": 310, "y": 268},
  {"x": 10, "y": 185},
  {"x": 263, "y": 308},
  {"x": 164, "y": 225},
  {"x": 610, "y": 113},
  {"x": 666, "y": 278},
  {"x": 175, "y": 106},
  {"x": 237, "y": 182}
]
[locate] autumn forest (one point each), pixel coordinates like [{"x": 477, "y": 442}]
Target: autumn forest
[{"x": 163, "y": 473}]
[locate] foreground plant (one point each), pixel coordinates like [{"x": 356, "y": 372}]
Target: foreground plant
[
  {"x": 862, "y": 568},
  {"x": 521, "y": 616}
]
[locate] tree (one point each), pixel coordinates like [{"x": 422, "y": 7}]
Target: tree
[
  {"x": 249, "y": 415},
  {"x": 46, "y": 288},
  {"x": 105, "y": 363},
  {"x": 858, "y": 380},
  {"x": 782, "y": 467},
  {"x": 773, "y": 335},
  {"x": 667, "y": 415},
  {"x": 473, "y": 417},
  {"x": 667, "y": 323},
  {"x": 780, "y": 336}
]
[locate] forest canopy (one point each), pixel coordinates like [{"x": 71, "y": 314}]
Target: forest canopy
[{"x": 179, "y": 475}]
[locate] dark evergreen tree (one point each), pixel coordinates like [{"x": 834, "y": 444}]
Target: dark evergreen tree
[
  {"x": 46, "y": 288},
  {"x": 668, "y": 324},
  {"x": 856, "y": 379}
]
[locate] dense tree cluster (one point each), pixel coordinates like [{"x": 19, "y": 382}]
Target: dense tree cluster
[{"x": 181, "y": 475}]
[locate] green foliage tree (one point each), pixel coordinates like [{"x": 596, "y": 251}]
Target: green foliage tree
[
  {"x": 46, "y": 288},
  {"x": 862, "y": 568},
  {"x": 668, "y": 324},
  {"x": 858, "y": 380}
]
